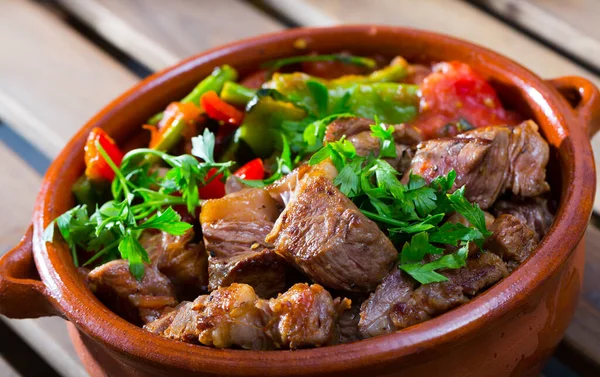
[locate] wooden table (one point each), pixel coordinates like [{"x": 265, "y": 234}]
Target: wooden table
[{"x": 63, "y": 60}]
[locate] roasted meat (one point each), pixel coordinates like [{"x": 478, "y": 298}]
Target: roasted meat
[
  {"x": 304, "y": 316},
  {"x": 488, "y": 161},
  {"x": 234, "y": 229},
  {"x": 326, "y": 236},
  {"x": 375, "y": 312},
  {"x": 184, "y": 262},
  {"x": 533, "y": 212},
  {"x": 512, "y": 240},
  {"x": 137, "y": 301},
  {"x": 227, "y": 317},
  {"x": 397, "y": 304}
]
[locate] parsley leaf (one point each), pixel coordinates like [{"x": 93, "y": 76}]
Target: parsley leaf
[{"x": 203, "y": 146}]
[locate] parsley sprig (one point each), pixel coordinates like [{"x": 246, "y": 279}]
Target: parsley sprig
[
  {"x": 412, "y": 213},
  {"x": 141, "y": 200}
]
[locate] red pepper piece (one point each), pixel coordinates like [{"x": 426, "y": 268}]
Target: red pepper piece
[
  {"x": 214, "y": 189},
  {"x": 252, "y": 170},
  {"x": 96, "y": 166},
  {"x": 220, "y": 110},
  {"x": 172, "y": 117}
]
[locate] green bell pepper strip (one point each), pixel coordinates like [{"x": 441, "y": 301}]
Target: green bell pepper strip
[
  {"x": 215, "y": 81},
  {"x": 236, "y": 94},
  {"x": 262, "y": 124}
]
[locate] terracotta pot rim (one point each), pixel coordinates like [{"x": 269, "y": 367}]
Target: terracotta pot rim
[{"x": 77, "y": 303}]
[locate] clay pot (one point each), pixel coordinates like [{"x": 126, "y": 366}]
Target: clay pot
[{"x": 509, "y": 330}]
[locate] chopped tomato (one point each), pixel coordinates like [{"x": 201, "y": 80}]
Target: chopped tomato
[
  {"x": 215, "y": 188},
  {"x": 454, "y": 92},
  {"x": 252, "y": 170},
  {"x": 177, "y": 116},
  {"x": 96, "y": 167},
  {"x": 220, "y": 110}
]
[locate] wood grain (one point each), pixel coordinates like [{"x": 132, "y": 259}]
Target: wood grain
[
  {"x": 160, "y": 35},
  {"x": 452, "y": 17},
  {"x": 19, "y": 187},
  {"x": 571, "y": 25},
  {"x": 48, "y": 337},
  {"x": 51, "y": 78},
  {"x": 6, "y": 369}
]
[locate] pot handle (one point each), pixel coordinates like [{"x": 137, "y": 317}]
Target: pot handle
[
  {"x": 584, "y": 98},
  {"x": 22, "y": 293}
]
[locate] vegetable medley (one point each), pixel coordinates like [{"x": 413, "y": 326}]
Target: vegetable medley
[{"x": 322, "y": 199}]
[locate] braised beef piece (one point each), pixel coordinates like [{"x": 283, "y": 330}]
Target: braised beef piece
[
  {"x": 358, "y": 132},
  {"x": 184, "y": 262},
  {"x": 533, "y": 212},
  {"x": 304, "y": 316},
  {"x": 528, "y": 154},
  {"x": 488, "y": 161},
  {"x": 398, "y": 302},
  {"x": 480, "y": 164},
  {"x": 375, "y": 312},
  {"x": 281, "y": 191},
  {"x": 234, "y": 229},
  {"x": 137, "y": 301},
  {"x": 326, "y": 236},
  {"x": 431, "y": 300},
  {"x": 511, "y": 239},
  {"x": 225, "y": 318},
  {"x": 235, "y": 316}
]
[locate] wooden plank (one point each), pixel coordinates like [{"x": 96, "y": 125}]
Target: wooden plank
[
  {"x": 6, "y": 369},
  {"x": 51, "y": 78},
  {"x": 465, "y": 21},
  {"x": 49, "y": 338},
  {"x": 159, "y": 35},
  {"x": 452, "y": 17},
  {"x": 568, "y": 24},
  {"x": 18, "y": 190}
]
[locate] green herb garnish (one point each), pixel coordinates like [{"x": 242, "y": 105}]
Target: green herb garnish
[
  {"x": 409, "y": 213},
  {"x": 141, "y": 200}
]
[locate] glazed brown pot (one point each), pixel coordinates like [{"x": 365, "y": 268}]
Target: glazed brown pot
[{"x": 510, "y": 330}]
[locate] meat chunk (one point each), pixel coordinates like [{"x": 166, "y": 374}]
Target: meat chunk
[
  {"x": 281, "y": 191},
  {"x": 528, "y": 156},
  {"x": 304, "y": 316},
  {"x": 225, "y": 318},
  {"x": 488, "y": 161},
  {"x": 398, "y": 303},
  {"x": 327, "y": 237},
  {"x": 480, "y": 164},
  {"x": 533, "y": 212},
  {"x": 431, "y": 300},
  {"x": 375, "y": 312},
  {"x": 511, "y": 239},
  {"x": 235, "y": 316},
  {"x": 234, "y": 229},
  {"x": 137, "y": 301},
  {"x": 358, "y": 132},
  {"x": 185, "y": 263}
]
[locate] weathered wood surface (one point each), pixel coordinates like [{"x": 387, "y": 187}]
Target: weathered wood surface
[
  {"x": 570, "y": 25},
  {"x": 160, "y": 35}
]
